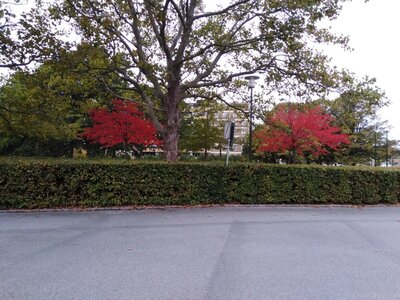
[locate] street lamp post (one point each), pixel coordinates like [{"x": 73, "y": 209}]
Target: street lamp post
[
  {"x": 375, "y": 146},
  {"x": 251, "y": 84},
  {"x": 375, "y": 150},
  {"x": 387, "y": 149}
]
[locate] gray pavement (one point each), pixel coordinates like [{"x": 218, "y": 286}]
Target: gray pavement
[{"x": 202, "y": 253}]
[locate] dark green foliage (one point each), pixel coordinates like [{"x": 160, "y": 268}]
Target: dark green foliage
[{"x": 34, "y": 183}]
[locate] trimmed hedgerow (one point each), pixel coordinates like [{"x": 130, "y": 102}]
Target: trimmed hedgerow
[{"x": 35, "y": 183}]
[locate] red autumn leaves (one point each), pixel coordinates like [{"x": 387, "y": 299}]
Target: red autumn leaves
[
  {"x": 301, "y": 132},
  {"x": 123, "y": 125},
  {"x": 289, "y": 129}
]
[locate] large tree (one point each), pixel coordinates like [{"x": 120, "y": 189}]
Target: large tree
[{"x": 174, "y": 49}]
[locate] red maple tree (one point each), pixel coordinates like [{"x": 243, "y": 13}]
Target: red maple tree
[
  {"x": 124, "y": 125},
  {"x": 300, "y": 132}
]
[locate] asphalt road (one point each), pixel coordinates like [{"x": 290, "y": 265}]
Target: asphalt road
[{"x": 202, "y": 253}]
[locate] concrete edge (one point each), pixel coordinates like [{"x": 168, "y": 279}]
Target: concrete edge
[{"x": 169, "y": 207}]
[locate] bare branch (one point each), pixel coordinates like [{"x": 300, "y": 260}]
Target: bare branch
[
  {"x": 179, "y": 13},
  {"x": 222, "y": 11},
  {"x": 187, "y": 30},
  {"x": 227, "y": 79},
  {"x": 126, "y": 98}
]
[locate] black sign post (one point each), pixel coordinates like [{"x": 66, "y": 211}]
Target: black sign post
[{"x": 229, "y": 132}]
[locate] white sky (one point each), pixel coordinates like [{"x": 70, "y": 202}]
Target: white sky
[{"x": 373, "y": 28}]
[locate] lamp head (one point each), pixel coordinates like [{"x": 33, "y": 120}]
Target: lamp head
[{"x": 251, "y": 81}]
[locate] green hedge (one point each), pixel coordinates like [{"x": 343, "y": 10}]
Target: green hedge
[{"x": 36, "y": 183}]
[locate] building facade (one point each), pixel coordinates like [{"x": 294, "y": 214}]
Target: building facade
[{"x": 241, "y": 127}]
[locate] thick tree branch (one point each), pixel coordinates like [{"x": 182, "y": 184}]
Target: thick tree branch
[
  {"x": 159, "y": 29},
  {"x": 194, "y": 84},
  {"x": 143, "y": 64},
  {"x": 222, "y": 11}
]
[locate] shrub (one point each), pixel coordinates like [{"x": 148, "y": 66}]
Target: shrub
[{"x": 39, "y": 183}]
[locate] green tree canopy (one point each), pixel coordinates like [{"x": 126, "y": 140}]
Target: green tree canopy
[{"x": 28, "y": 107}]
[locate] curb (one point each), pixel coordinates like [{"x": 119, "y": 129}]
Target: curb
[{"x": 170, "y": 207}]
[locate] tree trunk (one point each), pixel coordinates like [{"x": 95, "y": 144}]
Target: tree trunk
[
  {"x": 170, "y": 139},
  {"x": 293, "y": 158},
  {"x": 171, "y": 129},
  {"x": 173, "y": 114}
]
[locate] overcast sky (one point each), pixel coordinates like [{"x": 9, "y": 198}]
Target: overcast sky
[{"x": 373, "y": 28}]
